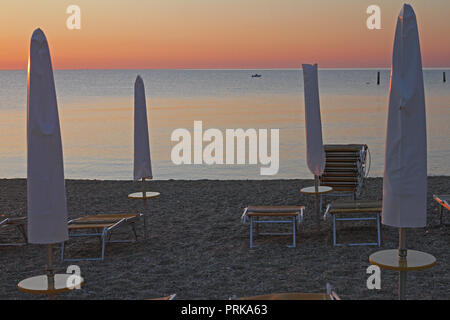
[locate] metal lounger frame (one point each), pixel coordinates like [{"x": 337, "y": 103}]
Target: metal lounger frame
[
  {"x": 105, "y": 237},
  {"x": 256, "y": 221},
  {"x": 441, "y": 208},
  {"x": 377, "y": 218},
  {"x": 12, "y": 222}
]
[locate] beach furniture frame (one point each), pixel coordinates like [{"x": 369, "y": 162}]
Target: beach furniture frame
[
  {"x": 444, "y": 201},
  {"x": 279, "y": 214},
  {"x": 328, "y": 295},
  {"x": 346, "y": 167},
  {"x": 359, "y": 210},
  {"x": 104, "y": 226},
  {"x": 171, "y": 297},
  {"x": 18, "y": 223}
]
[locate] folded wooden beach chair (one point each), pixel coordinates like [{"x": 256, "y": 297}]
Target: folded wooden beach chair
[
  {"x": 102, "y": 226},
  {"x": 444, "y": 201},
  {"x": 277, "y": 214},
  {"x": 14, "y": 221},
  {"x": 355, "y": 210},
  {"x": 328, "y": 295},
  {"x": 346, "y": 167}
]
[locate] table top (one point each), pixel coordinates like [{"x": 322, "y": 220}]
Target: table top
[
  {"x": 140, "y": 195},
  {"x": 312, "y": 190},
  {"x": 415, "y": 260},
  {"x": 39, "y": 284}
]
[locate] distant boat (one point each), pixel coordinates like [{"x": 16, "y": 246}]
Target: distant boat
[{"x": 256, "y": 75}]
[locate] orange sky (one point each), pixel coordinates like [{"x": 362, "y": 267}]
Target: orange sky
[{"x": 218, "y": 33}]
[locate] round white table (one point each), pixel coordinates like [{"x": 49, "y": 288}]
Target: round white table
[{"x": 40, "y": 285}]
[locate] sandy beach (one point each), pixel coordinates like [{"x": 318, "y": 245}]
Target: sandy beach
[{"x": 198, "y": 248}]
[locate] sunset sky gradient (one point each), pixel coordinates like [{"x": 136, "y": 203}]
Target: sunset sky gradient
[{"x": 197, "y": 34}]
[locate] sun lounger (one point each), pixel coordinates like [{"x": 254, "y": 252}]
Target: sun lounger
[
  {"x": 103, "y": 225},
  {"x": 329, "y": 295},
  {"x": 355, "y": 210},
  {"x": 19, "y": 224},
  {"x": 444, "y": 201},
  {"x": 345, "y": 168},
  {"x": 258, "y": 214}
]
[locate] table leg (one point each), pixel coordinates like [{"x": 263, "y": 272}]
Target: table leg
[
  {"x": 401, "y": 285},
  {"x": 145, "y": 218},
  {"x": 317, "y": 212}
]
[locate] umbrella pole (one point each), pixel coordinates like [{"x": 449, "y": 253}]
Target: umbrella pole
[
  {"x": 49, "y": 270},
  {"x": 316, "y": 204},
  {"x": 402, "y": 253},
  {"x": 145, "y": 207}
]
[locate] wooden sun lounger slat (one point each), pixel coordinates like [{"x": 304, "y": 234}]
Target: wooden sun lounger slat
[
  {"x": 290, "y": 296},
  {"x": 342, "y": 160},
  {"x": 346, "y": 170},
  {"x": 275, "y": 208},
  {"x": 100, "y": 217},
  {"x": 338, "y": 173},
  {"x": 272, "y": 214},
  {"x": 90, "y": 226},
  {"x": 357, "y": 204},
  {"x": 343, "y": 147},
  {"x": 362, "y": 210},
  {"x": 339, "y": 179},
  {"x": 14, "y": 221}
]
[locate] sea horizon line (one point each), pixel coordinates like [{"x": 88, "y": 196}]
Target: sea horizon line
[{"x": 223, "y": 69}]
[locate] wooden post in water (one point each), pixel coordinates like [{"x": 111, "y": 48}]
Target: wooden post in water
[
  {"x": 443, "y": 77},
  {"x": 378, "y": 78}
]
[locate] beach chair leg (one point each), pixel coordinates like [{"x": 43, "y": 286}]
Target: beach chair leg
[
  {"x": 257, "y": 226},
  {"x": 334, "y": 230},
  {"x": 133, "y": 228},
  {"x": 251, "y": 232},
  {"x": 62, "y": 251},
  {"x": 320, "y": 206},
  {"x": 293, "y": 232},
  {"x": 104, "y": 235},
  {"x": 379, "y": 229},
  {"x": 145, "y": 226}
]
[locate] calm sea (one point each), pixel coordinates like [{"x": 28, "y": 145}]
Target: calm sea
[{"x": 96, "y": 113}]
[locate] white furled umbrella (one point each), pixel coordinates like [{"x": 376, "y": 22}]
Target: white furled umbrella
[
  {"x": 46, "y": 193},
  {"x": 142, "y": 160},
  {"x": 405, "y": 172},
  {"x": 315, "y": 154}
]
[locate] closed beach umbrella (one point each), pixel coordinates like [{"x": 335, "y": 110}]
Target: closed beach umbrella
[
  {"x": 405, "y": 172},
  {"x": 46, "y": 194},
  {"x": 315, "y": 154},
  {"x": 142, "y": 160},
  {"x": 405, "y": 169}
]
